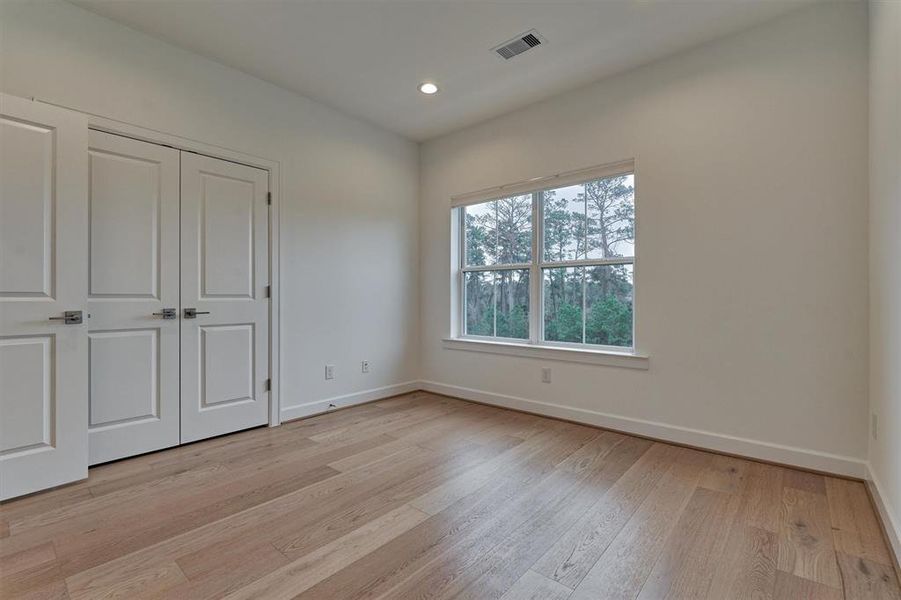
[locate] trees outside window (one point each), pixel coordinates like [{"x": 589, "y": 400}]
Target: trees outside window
[
  {"x": 582, "y": 274},
  {"x": 498, "y": 253}
]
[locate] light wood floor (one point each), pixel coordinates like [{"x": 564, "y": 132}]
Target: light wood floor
[{"x": 423, "y": 496}]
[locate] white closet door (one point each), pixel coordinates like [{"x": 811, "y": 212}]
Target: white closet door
[
  {"x": 224, "y": 275},
  {"x": 43, "y": 273},
  {"x": 133, "y": 278}
]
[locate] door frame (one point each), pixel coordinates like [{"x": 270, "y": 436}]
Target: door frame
[{"x": 274, "y": 169}]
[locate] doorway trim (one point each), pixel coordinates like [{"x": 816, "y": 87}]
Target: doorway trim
[{"x": 273, "y": 167}]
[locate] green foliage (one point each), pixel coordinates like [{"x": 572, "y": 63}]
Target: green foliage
[
  {"x": 609, "y": 323},
  {"x": 475, "y": 241},
  {"x": 480, "y": 323},
  {"x": 565, "y": 325},
  {"x": 515, "y": 324}
]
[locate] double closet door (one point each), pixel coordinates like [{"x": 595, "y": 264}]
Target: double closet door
[
  {"x": 134, "y": 312},
  {"x": 177, "y": 295}
]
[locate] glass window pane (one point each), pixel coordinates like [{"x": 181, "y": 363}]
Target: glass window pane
[
  {"x": 611, "y": 216},
  {"x": 563, "y": 304},
  {"x": 480, "y": 227},
  {"x": 514, "y": 230},
  {"x": 608, "y": 305},
  {"x": 480, "y": 303},
  {"x": 512, "y": 301},
  {"x": 499, "y": 232},
  {"x": 564, "y": 223}
]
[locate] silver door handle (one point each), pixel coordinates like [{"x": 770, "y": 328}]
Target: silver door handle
[
  {"x": 70, "y": 317},
  {"x": 167, "y": 313},
  {"x": 191, "y": 313}
]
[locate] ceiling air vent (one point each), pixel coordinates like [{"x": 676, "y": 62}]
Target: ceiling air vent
[{"x": 519, "y": 44}]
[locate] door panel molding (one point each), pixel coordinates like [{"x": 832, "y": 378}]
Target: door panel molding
[
  {"x": 227, "y": 222},
  {"x": 126, "y": 233},
  {"x": 28, "y": 271},
  {"x": 226, "y": 384},
  {"x": 26, "y": 367},
  {"x": 132, "y": 357}
]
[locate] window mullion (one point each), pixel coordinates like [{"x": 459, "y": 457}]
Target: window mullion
[
  {"x": 510, "y": 267},
  {"x": 584, "y": 302},
  {"x": 590, "y": 262},
  {"x": 585, "y": 239},
  {"x": 494, "y": 304},
  {"x": 462, "y": 284},
  {"x": 497, "y": 259},
  {"x": 585, "y": 257},
  {"x": 536, "y": 302}
]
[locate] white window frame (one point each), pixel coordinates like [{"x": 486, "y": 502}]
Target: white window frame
[{"x": 536, "y": 346}]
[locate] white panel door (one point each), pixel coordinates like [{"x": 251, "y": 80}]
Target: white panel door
[
  {"x": 43, "y": 273},
  {"x": 133, "y": 276},
  {"x": 224, "y": 275}
]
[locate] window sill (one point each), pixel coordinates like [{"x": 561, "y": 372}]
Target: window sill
[{"x": 608, "y": 358}]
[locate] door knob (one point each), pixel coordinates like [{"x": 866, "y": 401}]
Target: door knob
[
  {"x": 70, "y": 317},
  {"x": 166, "y": 313},
  {"x": 191, "y": 313}
]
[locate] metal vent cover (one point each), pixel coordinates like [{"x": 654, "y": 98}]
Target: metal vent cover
[{"x": 519, "y": 44}]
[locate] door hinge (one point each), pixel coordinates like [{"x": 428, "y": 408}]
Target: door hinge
[
  {"x": 269, "y": 198},
  {"x": 268, "y": 385},
  {"x": 268, "y": 292}
]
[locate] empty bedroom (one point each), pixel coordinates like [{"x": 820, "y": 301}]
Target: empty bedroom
[{"x": 432, "y": 299}]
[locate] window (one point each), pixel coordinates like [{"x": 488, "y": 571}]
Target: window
[
  {"x": 497, "y": 260},
  {"x": 568, "y": 280}
]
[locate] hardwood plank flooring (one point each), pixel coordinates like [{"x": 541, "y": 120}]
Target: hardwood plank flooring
[{"x": 423, "y": 496}]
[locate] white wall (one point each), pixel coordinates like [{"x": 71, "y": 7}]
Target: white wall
[
  {"x": 349, "y": 255},
  {"x": 752, "y": 244},
  {"x": 885, "y": 256}
]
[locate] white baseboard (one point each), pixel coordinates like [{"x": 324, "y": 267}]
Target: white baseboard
[
  {"x": 777, "y": 453},
  {"x": 289, "y": 413},
  {"x": 787, "y": 455},
  {"x": 889, "y": 519}
]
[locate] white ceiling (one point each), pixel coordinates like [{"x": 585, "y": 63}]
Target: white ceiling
[{"x": 367, "y": 57}]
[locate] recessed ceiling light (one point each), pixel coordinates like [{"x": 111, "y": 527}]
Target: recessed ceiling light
[{"x": 427, "y": 87}]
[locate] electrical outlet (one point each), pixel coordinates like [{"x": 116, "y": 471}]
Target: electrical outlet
[
  {"x": 329, "y": 371},
  {"x": 364, "y": 366},
  {"x": 874, "y": 426},
  {"x": 545, "y": 375}
]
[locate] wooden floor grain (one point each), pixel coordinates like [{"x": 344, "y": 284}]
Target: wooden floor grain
[{"x": 423, "y": 496}]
